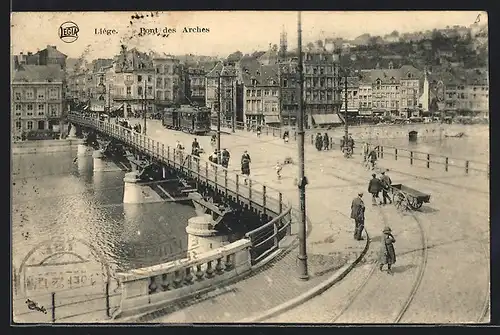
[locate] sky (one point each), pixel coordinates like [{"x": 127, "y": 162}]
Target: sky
[{"x": 228, "y": 31}]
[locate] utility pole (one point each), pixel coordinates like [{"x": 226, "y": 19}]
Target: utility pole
[
  {"x": 109, "y": 102},
  {"x": 302, "y": 182},
  {"x": 145, "y": 107},
  {"x": 218, "y": 114},
  {"x": 234, "y": 97},
  {"x": 346, "y": 126}
]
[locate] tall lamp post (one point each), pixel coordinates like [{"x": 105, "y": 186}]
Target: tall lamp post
[
  {"x": 219, "y": 101},
  {"x": 145, "y": 108},
  {"x": 302, "y": 182}
]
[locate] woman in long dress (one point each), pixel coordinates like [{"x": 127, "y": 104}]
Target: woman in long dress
[{"x": 387, "y": 252}]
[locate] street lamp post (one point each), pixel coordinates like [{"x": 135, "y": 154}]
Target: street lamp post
[
  {"x": 145, "y": 107},
  {"x": 346, "y": 126},
  {"x": 302, "y": 182},
  {"x": 218, "y": 113}
]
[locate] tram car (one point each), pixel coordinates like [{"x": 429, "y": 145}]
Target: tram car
[{"x": 190, "y": 119}]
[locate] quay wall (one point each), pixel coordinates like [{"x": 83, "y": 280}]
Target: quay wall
[{"x": 44, "y": 146}]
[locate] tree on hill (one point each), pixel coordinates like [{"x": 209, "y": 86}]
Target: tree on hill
[{"x": 235, "y": 56}]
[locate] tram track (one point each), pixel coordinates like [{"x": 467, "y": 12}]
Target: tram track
[{"x": 421, "y": 271}]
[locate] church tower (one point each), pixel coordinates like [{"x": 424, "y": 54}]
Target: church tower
[{"x": 283, "y": 45}]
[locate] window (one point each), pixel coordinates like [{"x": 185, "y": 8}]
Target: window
[
  {"x": 259, "y": 93},
  {"x": 266, "y": 93},
  {"x": 41, "y": 125},
  {"x": 139, "y": 91},
  {"x": 139, "y": 78},
  {"x": 285, "y": 83},
  {"x": 53, "y": 110},
  {"x": 18, "y": 107},
  {"x": 18, "y": 125},
  {"x": 129, "y": 90},
  {"x": 254, "y": 82},
  {"x": 29, "y": 125},
  {"x": 275, "y": 93},
  {"x": 41, "y": 107},
  {"x": 150, "y": 79},
  {"x": 41, "y": 94},
  {"x": 18, "y": 95},
  {"x": 159, "y": 82},
  {"x": 101, "y": 98},
  {"x": 29, "y": 94},
  {"x": 248, "y": 93},
  {"x": 128, "y": 78},
  {"x": 150, "y": 90}
]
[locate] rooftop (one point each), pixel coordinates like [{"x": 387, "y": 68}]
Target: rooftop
[
  {"x": 39, "y": 73},
  {"x": 263, "y": 74}
]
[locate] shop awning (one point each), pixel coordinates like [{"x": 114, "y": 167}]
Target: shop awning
[
  {"x": 113, "y": 109},
  {"x": 272, "y": 119},
  {"x": 326, "y": 119}
]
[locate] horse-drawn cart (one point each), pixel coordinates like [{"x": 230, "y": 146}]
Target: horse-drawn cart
[{"x": 405, "y": 197}]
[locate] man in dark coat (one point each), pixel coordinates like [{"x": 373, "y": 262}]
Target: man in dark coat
[
  {"x": 195, "y": 146},
  {"x": 318, "y": 142},
  {"x": 374, "y": 187},
  {"x": 225, "y": 158},
  {"x": 386, "y": 185},
  {"x": 326, "y": 142},
  {"x": 358, "y": 214},
  {"x": 245, "y": 165}
]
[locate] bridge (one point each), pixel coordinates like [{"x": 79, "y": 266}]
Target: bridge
[
  {"x": 265, "y": 214},
  {"x": 454, "y": 224}
]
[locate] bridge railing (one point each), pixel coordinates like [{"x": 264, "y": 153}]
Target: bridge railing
[
  {"x": 416, "y": 158},
  {"x": 241, "y": 188}
]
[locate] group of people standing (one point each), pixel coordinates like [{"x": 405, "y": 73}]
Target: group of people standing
[
  {"x": 322, "y": 142},
  {"x": 387, "y": 252}
]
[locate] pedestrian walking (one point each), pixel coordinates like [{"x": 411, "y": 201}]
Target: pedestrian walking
[
  {"x": 259, "y": 129},
  {"x": 225, "y": 158},
  {"x": 318, "y": 142},
  {"x": 286, "y": 136},
  {"x": 326, "y": 142},
  {"x": 358, "y": 214},
  {"x": 278, "y": 169},
  {"x": 245, "y": 165},
  {"x": 386, "y": 185},
  {"x": 372, "y": 157},
  {"x": 195, "y": 146},
  {"x": 374, "y": 187},
  {"x": 387, "y": 252}
]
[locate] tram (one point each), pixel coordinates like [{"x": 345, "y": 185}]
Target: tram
[{"x": 186, "y": 118}]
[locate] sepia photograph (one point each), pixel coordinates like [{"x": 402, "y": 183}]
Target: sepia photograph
[{"x": 250, "y": 167}]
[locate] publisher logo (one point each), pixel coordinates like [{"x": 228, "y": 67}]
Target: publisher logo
[{"x": 68, "y": 32}]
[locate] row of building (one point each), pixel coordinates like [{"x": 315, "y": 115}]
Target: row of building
[{"x": 259, "y": 90}]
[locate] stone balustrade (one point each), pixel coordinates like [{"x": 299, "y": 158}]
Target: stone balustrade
[{"x": 147, "y": 289}]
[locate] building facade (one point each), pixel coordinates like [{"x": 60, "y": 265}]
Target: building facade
[
  {"x": 288, "y": 92},
  {"x": 168, "y": 80},
  {"x": 353, "y": 102},
  {"x": 211, "y": 88},
  {"x": 51, "y": 56},
  {"x": 261, "y": 94},
  {"x": 320, "y": 86},
  {"x": 134, "y": 84},
  {"x": 393, "y": 91},
  {"x": 195, "y": 85},
  {"x": 468, "y": 92},
  {"x": 37, "y": 99}
]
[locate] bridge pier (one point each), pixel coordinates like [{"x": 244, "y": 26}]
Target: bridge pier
[
  {"x": 202, "y": 236},
  {"x": 72, "y": 131},
  {"x": 135, "y": 192},
  {"x": 84, "y": 150},
  {"x": 100, "y": 163}
]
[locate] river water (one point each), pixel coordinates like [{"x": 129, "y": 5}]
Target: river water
[
  {"x": 473, "y": 146},
  {"x": 52, "y": 195}
]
